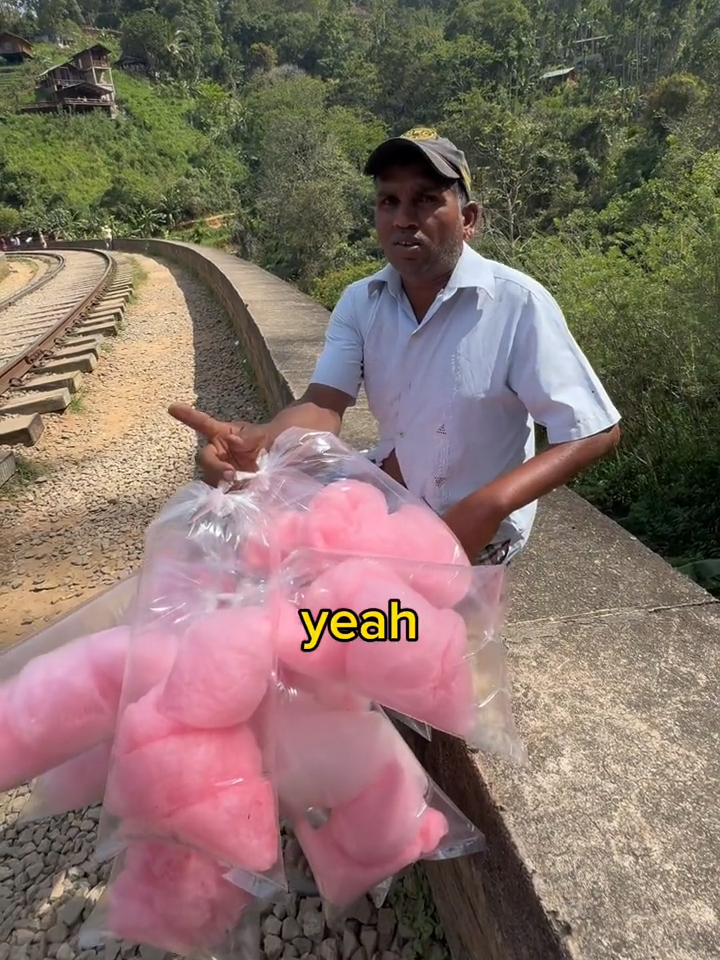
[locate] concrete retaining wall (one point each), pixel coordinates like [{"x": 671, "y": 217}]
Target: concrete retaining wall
[{"x": 606, "y": 846}]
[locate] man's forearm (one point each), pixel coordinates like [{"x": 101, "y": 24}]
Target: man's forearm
[
  {"x": 319, "y": 408},
  {"x": 549, "y": 470},
  {"x": 305, "y": 414},
  {"x": 476, "y": 519}
]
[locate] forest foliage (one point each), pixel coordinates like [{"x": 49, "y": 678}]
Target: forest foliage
[{"x": 605, "y": 188}]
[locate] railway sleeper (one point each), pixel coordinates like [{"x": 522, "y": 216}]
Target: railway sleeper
[
  {"x": 23, "y": 429},
  {"x": 40, "y": 401},
  {"x": 50, "y": 385},
  {"x": 81, "y": 363},
  {"x": 53, "y": 381}
]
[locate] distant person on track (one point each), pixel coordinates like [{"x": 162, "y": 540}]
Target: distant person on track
[
  {"x": 460, "y": 357},
  {"x": 107, "y": 236}
]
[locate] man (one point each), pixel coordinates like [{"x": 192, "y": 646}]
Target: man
[{"x": 459, "y": 356}]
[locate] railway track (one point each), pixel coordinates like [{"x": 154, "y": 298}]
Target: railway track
[
  {"x": 51, "y": 263},
  {"x": 51, "y": 332}
]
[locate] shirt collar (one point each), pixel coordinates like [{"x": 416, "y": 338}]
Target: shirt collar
[{"x": 471, "y": 272}]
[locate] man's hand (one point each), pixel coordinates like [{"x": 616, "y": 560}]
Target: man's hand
[
  {"x": 474, "y": 521},
  {"x": 230, "y": 446}
]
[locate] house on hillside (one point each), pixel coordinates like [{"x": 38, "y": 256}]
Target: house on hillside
[
  {"x": 94, "y": 63},
  {"x": 81, "y": 84},
  {"x": 554, "y": 78},
  {"x": 14, "y": 50}
]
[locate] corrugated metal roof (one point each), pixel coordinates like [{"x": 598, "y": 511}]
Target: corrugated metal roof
[{"x": 560, "y": 72}]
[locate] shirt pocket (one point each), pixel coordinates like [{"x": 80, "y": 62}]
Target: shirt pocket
[{"x": 472, "y": 373}]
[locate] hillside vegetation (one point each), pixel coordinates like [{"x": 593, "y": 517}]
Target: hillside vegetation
[{"x": 605, "y": 188}]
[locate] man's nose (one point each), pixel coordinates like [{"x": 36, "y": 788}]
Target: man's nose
[{"x": 406, "y": 216}]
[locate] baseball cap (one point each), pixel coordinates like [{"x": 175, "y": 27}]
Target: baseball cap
[{"x": 442, "y": 154}]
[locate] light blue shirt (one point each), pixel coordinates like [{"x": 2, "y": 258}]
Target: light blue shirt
[{"x": 457, "y": 395}]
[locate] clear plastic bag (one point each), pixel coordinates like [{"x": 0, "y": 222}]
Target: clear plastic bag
[
  {"x": 60, "y": 704},
  {"x": 423, "y": 729},
  {"x": 192, "y": 755},
  {"x": 176, "y": 900},
  {"x": 110, "y": 608},
  {"x": 361, "y": 623},
  {"x": 320, "y": 493},
  {"x": 79, "y": 781},
  {"x": 74, "y": 785},
  {"x": 359, "y": 802}
]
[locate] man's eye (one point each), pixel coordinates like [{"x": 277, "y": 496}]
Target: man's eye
[{"x": 429, "y": 198}]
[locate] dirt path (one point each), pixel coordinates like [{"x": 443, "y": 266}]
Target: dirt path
[{"x": 21, "y": 273}]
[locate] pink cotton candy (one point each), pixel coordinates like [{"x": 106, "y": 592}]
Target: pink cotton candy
[
  {"x": 326, "y": 757},
  {"x": 160, "y": 766},
  {"x": 143, "y": 722},
  {"x": 351, "y": 516},
  {"x": 341, "y": 879},
  {"x": 429, "y": 678},
  {"x": 326, "y": 661},
  {"x": 223, "y": 667},
  {"x": 345, "y": 515},
  {"x": 174, "y": 899},
  {"x": 334, "y": 696},
  {"x": 238, "y": 825},
  {"x": 18, "y": 762},
  {"x": 433, "y": 829},
  {"x": 67, "y": 700},
  {"x": 384, "y": 819},
  {"x": 415, "y": 533},
  {"x": 394, "y": 665},
  {"x": 152, "y": 653}
]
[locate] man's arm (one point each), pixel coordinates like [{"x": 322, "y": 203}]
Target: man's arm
[
  {"x": 319, "y": 408},
  {"x": 336, "y": 379},
  {"x": 476, "y": 519},
  {"x": 561, "y": 391}
]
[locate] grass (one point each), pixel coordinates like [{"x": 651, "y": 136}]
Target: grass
[
  {"x": 412, "y": 900},
  {"x": 26, "y": 473},
  {"x": 139, "y": 278},
  {"x": 77, "y": 403}
]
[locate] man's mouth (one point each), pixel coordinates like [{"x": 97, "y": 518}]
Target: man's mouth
[{"x": 408, "y": 244}]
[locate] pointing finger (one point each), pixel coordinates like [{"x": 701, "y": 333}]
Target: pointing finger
[{"x": 195, "y": 419}]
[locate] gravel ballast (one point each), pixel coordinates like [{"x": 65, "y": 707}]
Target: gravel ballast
[{"x": 72, "y": 524}]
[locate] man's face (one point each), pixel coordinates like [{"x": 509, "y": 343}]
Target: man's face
[{"x": 421, "y": 223}]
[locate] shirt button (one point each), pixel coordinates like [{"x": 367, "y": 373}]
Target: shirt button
[{"x": 401, "y": 433}]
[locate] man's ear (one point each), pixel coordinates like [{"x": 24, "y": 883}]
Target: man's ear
[{"x": 471, "y": 219}]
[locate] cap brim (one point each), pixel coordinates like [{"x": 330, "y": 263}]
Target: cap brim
[{"x": 392, "y": 151}]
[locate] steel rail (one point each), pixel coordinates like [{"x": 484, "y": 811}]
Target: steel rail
[
  {"x": 12, "y": 373},
  {"x": 34, "y": 285}
]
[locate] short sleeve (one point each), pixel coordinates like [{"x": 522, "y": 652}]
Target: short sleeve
[
  {"x": 341, "y": 361},
  {"x": 552, "y": 376}
]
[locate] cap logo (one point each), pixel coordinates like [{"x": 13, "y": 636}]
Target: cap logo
[{"x": 421, "y": 133}]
